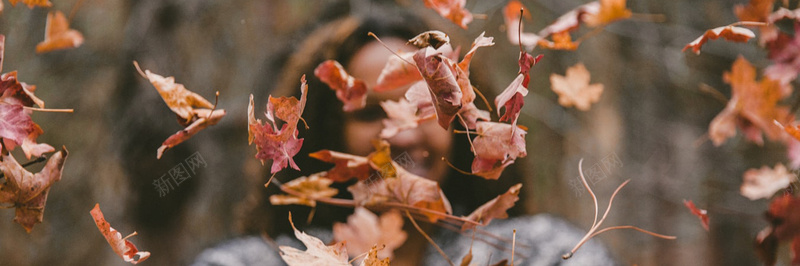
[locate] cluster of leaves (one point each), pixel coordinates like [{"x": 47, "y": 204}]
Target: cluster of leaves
[
  {"x": 757, "y": 109},
  {"x": 20, "y": 189}
]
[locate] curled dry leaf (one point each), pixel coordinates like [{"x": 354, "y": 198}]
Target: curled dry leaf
[
  {"x": 27, "y": 192},
  {"x": 495, "y": 208},
  {"x": 496, "y": 147},
  {"x": 309, "y": 189},
  {"x": 763, "y": 183},
  {"x": 571, "y": 20},
  {"x": 729, "y": 33},
  {"x": 364, "y": 231},
  {"x": 574, "y": 89},
  {"x": 179, "y": 99},
  {"x": 347, "y": 166},
  {"x": 783, "y": 216},
  {"x": 700, "y": 213},
  {"x": 753, "y": 107},
  {"x": 32, "y": 3},
  {"x": 472, "y": 115},
  {"x": 14, "y": 92},
  {"x": 58, "y": 35},
  {"x": 512, "y": 97},
  {"x": 452, "y": 10},
  {"x": 432, "y": 38},
  {"x": 205, "y": 118},
  {"x": 124, "y": 248},
  {"x": 351, "y": 91},
  {"x": 193, "y": 111},
  {"x": 280, "y": 146},
  {"x": 440, "y": 75},
  {"x": 316, "y": 253}
]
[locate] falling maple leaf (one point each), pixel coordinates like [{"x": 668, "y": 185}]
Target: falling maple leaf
[
  {"x": 700, "y": 213},
  {"x": 124, "y": 248},
  {"x": 764, "y": 182},
  {"x": 27, "y": 192},
  {"x": 347, "y": 166},
  {"x": 452, "y": 10},
  {"x": 180, "y": 100},
  {"x": 753, "y": 107},
  {"x": 439, "y": 74},
  {"x": 280, "y": 146},
  {"x": 316, "y": 253},
  {"x": 351, "y": 91},
  {"x": 561, "y": 41},
  {"x": 58, "y": 35},
  {"x": 365, "y": 230},
  {"x": 309, "y": 189},
  {"x": 571, "y": 20},
  {"x": 574, "y": 89},
  {"x": 32, "y": 3},
  {"x": 193, "y": 111},
  {"x": 496, "y": 147},
  {"x": 610, "y": 11},
  {"x": 729, "y": 33},
  {"x": 495, "y": 208},
  {"x": 512, "y": 97}
]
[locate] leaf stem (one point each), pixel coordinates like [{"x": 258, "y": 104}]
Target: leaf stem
[
  {"x": 387, "y": 48},
  {"x": 439, "y": 249}
]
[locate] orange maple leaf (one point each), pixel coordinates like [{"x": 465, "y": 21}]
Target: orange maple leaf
[
  {"x": 58, "y": 35},
  {"x": 574, "y": 89},
  {"x": 753, "y": 106},
  {"x": 610, "y": 11}
]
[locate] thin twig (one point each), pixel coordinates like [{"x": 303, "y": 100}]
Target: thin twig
[
  {"x": 479, "y": 93},
  {"x": 513, "y": 246},
  {"x": 216, "y": 100},
  {"x": 713, "y": 92},
  {"x": 387, "y": 48},
  {"x": 429, "y": 238},
  {"x": 455, "y": 168},
  {"x": 634, "y": 228},
  {"x": 48, "y": 110},
  {"x": 270, "y": 180}
]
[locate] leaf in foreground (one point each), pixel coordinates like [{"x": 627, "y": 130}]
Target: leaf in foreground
[
  {"x": 27, "y": 192},
  {"x": 316, "y": 253}
]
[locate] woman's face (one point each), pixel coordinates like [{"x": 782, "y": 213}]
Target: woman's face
[{"x": 425, "y": 145}]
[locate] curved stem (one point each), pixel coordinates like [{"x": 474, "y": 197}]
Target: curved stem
[
  {"x": 634, "y": 228},
  {"x": 586, "y": 185}
]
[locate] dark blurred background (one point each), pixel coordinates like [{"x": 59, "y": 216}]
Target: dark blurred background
[{"x": 652, "y": 117}]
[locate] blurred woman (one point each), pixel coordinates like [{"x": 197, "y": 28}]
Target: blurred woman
[{"x": 541, "y": 239}]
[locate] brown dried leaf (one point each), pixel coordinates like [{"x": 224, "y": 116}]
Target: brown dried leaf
[
  {"x": 310, "y": 188},
  {"x": 27, "y": 191},
  {"x": 124, "y": 248},
  {"x": 316, "y": 253},
  {"x": 495, "y": 208},
  {"x": 574, "y": 89}
]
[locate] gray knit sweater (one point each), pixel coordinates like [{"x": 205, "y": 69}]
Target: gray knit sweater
[{"x": 541, "y": 239}]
